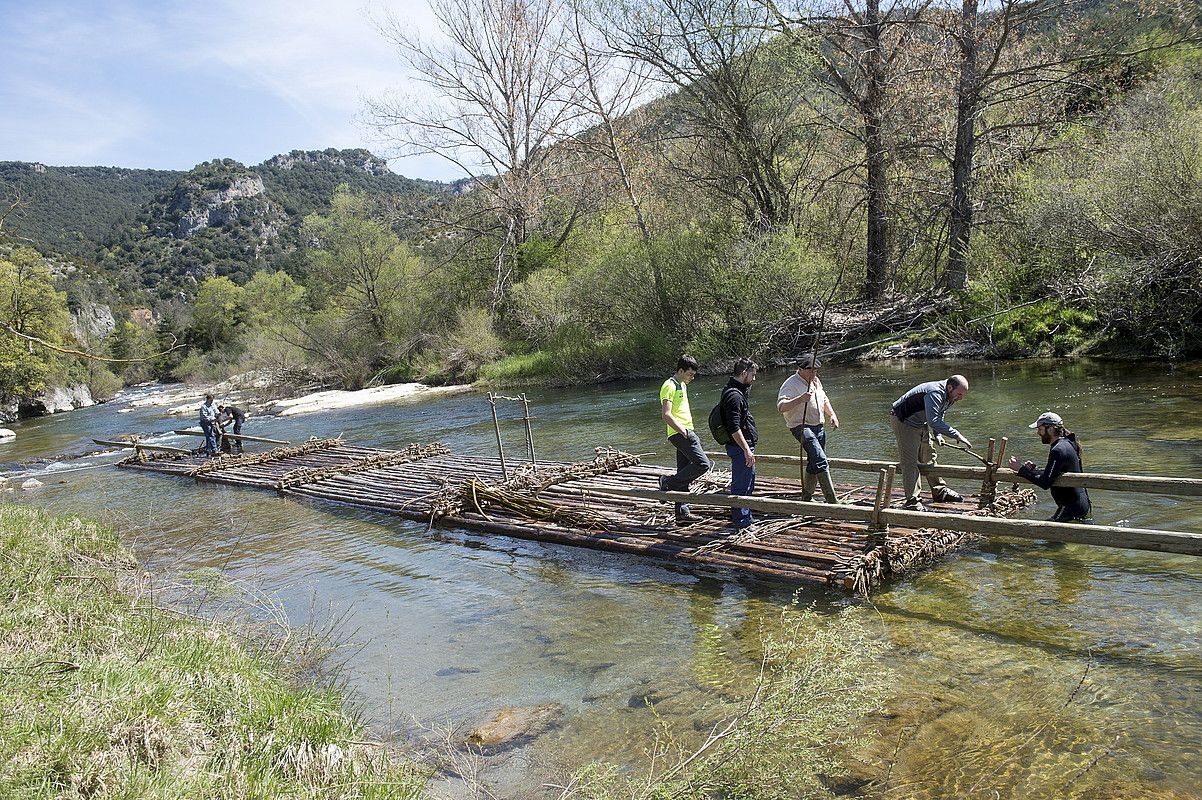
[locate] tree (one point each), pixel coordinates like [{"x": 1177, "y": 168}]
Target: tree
[
  {"x": 29, "y": 307},
  {"x": 734, "y": 119},
  {"x": 503, "y": 93},
  {"x": 857, "y": 45},
  {"x": 272, "y": 300},
  {"x": 1019, "y": 66},
  {"x": 360, "y": 266},
  {"x": 218, "y": 313}
]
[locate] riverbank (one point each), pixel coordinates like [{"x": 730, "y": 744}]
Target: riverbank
[{"x": 109, "y": 693}]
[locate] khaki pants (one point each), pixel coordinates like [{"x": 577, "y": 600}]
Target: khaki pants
[{"x": 914, "y": 447}]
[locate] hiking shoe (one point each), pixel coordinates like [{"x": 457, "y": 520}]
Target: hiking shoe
[
  {"x": 687, "y": 518},
  {"x": 948, "y": 496},
  {"x": 913, "y": 505}
]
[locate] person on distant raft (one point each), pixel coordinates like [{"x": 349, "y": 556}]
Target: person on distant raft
[
  {"x": 914, "y": 416},
  {"x": 1065, "y": 456},
  {"x": 228, "y": 414},
  {"x": 209, "y": 424},
  {"x": 691, "y": 460},
  {"x": 738, "y": 421},
  {"x": 805, "y": 406}
]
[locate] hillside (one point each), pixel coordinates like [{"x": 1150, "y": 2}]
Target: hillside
[
  {"x": 162, "y": 231},
  {"x": 71, "y": 210}
]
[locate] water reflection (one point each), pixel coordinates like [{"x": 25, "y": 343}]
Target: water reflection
[{"x": 1017, "y": 664}]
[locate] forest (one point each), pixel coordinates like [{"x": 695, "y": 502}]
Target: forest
[{"x": 719, "y": 177}]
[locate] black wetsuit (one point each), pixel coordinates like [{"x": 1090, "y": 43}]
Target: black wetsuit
[{"x": 1071, "y": 502}]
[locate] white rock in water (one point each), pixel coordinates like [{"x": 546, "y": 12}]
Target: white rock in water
[
  {"x": 31, "y": 483},
  {"x": 7, "y": 433}
]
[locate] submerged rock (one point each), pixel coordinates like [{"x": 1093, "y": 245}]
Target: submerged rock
[
  {"x": 7, "y": 433},
  {"x": 32, "y": 483},
  {"x": 514, "y": 726}
]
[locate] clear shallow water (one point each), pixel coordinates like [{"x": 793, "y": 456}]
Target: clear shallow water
[{"x": 1018, "y": 666}]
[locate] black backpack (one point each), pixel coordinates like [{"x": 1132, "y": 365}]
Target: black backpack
[{"x": 718, "y": 421}]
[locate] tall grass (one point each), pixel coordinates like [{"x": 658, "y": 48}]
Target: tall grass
[{"x": 105, "y": 693}]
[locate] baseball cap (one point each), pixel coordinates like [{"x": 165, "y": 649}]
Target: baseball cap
[{"x": 1047, "y": 418}]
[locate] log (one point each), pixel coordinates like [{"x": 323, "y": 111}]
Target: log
[
  {"x": 239, "y": 436},
  {"x": 162, "y": 448},
  {"x": 1188, "y": 487},
  {"x": 1101, "y": 535}
]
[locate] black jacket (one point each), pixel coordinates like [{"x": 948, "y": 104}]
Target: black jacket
[
  {"x": 1072, "y": 502},
  {"x": 736, "y": 413}
]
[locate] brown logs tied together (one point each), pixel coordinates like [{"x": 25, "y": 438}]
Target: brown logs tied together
[
  {"x": 519, "y": 493},
  {"x": 413, "y": 452},
  {"x": 278, "y": 454}
]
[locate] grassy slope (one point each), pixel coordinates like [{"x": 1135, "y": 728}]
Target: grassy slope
[{"x": 104, "y": 693}]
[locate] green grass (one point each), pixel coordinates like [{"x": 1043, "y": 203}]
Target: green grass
[
  {"x": 538, "y": 366},
  {"x": 104, "y": 693}
]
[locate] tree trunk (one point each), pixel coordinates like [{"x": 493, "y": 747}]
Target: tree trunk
[
  {"x": 967, "y": 103},
  {"x": 876, "y": 283}
]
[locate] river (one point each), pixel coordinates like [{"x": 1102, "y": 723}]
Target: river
[{"x": 1019, "y": 667}]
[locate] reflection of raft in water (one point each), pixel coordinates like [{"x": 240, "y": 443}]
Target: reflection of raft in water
[{"x": 612, "y": 504}]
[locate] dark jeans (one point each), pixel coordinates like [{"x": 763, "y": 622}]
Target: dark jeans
[
  {"x": 691, "y": 464},
  {"x": 813, "y": 440},
  {"x": 742, "y": 482},
  {"x": 210, "y": 431}
]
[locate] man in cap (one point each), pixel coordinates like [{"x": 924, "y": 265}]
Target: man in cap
[
  {"x": 914, "y": 416},
  {"x": 804, "y": 404},
  {"x": 1065, "y": 456},
  {"x": 691, "y": 460}
]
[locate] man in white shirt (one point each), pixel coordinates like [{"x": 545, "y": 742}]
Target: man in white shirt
[{"x": 805, "y": 406}]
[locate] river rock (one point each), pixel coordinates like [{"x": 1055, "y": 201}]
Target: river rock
[
  {"x": 7, "y": 433},
  {"x": 31, "y": 483},
  {"x": 514, "y": 726}
]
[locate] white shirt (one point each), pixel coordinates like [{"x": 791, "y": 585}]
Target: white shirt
[{"x": 812, "y": 412}]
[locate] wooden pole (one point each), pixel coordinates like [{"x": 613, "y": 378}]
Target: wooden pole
[
  {"x": 496, "y": 424},
  {"x": 875, "y": 523},
  {"x": 238, "y": 436},
  {"x": 986, "y": 494},
  {"x": 1187, "y": 487},
  {"x": 163, "y": 448},
  {"x": 1102, "y": 535},
  {"x": 526, "y": 419}
]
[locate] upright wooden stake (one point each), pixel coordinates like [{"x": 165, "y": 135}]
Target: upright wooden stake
[
  {"x": 526, "y": 419},
  {"x": 987, "y": 483},
  {"x": 890, "y": 473},
  {"x": 875, "y": 522},
  {"x": 496, "y": 425}
]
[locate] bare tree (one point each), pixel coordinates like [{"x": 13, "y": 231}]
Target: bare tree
[
  {"x": 734, "y": 118},
  {"x": 613, "y": 86},
  {"x": 857, "y": 45},
  {"x": 1018, "y": 66},
  {"x": 504, "y": 91}
]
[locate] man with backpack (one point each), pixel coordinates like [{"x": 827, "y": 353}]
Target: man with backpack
[
  {"x": 739, "y": 426},
  {"x": 691, "y": 460}
]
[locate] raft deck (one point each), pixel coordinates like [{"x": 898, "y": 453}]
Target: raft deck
[{"x": 429, "y": 483}]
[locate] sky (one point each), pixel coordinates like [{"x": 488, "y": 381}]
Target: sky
[{"x": 170, "y": 84}]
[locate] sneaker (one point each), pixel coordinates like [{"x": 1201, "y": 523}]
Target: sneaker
[
  {"x": 948, "y": 496},
  {"x": 913, "y": 505},
  {"x": 687, "y": 518}
]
